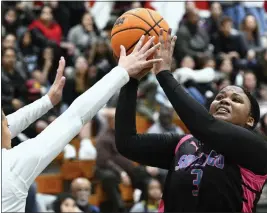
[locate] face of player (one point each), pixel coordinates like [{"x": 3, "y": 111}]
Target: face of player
[
  {"x": 232, "y": 105},
  {"x": 68, "y": 205},
  {"x": 6, "y": 135},
  {"x": 154, "y": 190}
]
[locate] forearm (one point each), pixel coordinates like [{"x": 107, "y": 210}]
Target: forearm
[
  {"x": 21, "y": 119},
  {"x": 40, "y": 151}
]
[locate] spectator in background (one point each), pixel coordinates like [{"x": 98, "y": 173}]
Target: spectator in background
[
  {"x": 27, "y": 51},
  {"x": 193, "y": 40},
  {"x": 79, "y": 84},
  {"x": 256, "y": 8},
  {"x": 212, "y": 23},
  {"x": 10, "y": 23},
  {"x": 164, "y": 124},
  {"x": 101, "y": 57},
  {"x": 262, "y": 70},
  {"x": 81, "y": 191},
  {"x": 228, "y": 44},
  {"x": 262, "y": 98},
  {"x": 189, "y": 7},
  {"x": 263, "y": 124},
  {"x": 61, "y": 15},
  {"x": 83, "y": 35},
  {"x": 111, "y": 167},
  {"x": 150, "y": 198},
  {"x": 65, "y": 203},
  {"x": 234, "y": 10},
  {"x": 14, "y": 91},
  {"x": 250, "y": 82},
  {"x": 9, "y": 41},
  {"x": 250, "y": 31},
  {"x": 45, "y": 30},
  {"x": 44, "y": 73}
]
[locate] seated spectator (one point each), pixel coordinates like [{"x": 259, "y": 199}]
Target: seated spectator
[
  {"x": 228, "y": 44},
  {"x": 83, "y": 35},
  {"x": 112, "y": 168},
  {"x": 262, "y": 98},
  {"x": 14, "y": 91},
  {"x": 45, "y": 72},
  {"x": 263, "y": 124},
  {"x": 165, "y": 124},
  {"x": 10, "y": 22},
  {"x": 250, "y": 30},
  {"x": 189, "y": 7},
  {"x": 250, "y": 82},
  {"x": 150, "y": 197},
  {"x": 234, "y": 10},
  {"x": 256, "y": 9},
  {"x": 212, "y": 23},
  {"x": 28, "y": 52},
  {"x": 65, "y": 203},
  {"x": 45, "y": 30},
  {"x": 9, "y": 41},
  {"x": 79, "y": 83},
  {"x": 193, "y": 40},
  {"x": 81, "y": 191},
  {"x": 101, "y": 57}
]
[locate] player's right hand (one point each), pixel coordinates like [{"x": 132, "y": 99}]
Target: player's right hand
[{"x": 136, "y": 63}]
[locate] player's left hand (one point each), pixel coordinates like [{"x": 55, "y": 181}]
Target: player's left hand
[
  {"x": 55, "y": 92},
  {"x": 165, "y": 52}
]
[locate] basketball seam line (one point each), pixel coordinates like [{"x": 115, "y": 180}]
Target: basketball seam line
[
  {"x": 147, "y": 32},
  {"x": 155, "y": 20},
  {"x": 144, "y": 21},
  {"x": 131, "y": 28}
]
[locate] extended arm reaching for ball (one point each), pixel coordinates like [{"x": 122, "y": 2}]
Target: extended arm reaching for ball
[{"x": 28, "y": 159}]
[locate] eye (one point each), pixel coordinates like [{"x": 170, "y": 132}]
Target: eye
[
  {"x": 219, "y": 97},
  {"x": 237, "y": 100}
]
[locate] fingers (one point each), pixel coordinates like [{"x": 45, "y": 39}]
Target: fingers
[
  {"x": 161, "y": 38},
  {"x": 151, "y": 50},
  {"x": 123, "y": 51},
  {"x": 150, "y": 63},
  {"x": 62, "y": 83},
  {"x": 60, "y": 69},
  {"x": 169, "y": 39},
  {"x": 139, "y": 45},
  {"x": 173, "y": 41},
  {"x": 147, "y": 45}
]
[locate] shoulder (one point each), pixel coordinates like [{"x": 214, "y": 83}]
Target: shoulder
[
  {"x": 138, "y": 207},
  {"x": 187, "y": 144}
]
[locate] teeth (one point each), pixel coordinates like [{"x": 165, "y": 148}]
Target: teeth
[{"x": 222, "y": 110}]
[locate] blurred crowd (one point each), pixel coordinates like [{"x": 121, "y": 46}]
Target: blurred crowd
[{"x": 228, "y": 47}]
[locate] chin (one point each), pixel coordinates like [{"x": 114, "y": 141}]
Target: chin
[{"x": 224, "y": 117}]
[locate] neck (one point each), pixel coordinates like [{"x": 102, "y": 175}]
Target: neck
[
  {"x": 9, "y": 69},
  {"x": 152, "y": 202}
]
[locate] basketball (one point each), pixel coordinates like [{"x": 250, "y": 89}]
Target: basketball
[{"x": 131, "y": 25}]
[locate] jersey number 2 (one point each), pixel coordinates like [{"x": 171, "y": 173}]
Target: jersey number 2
[{"x": 196, "y": 182}]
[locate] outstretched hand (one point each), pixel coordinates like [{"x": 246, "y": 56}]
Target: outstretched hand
[
  {"x": 165, "y": 52},
  {"x": 136, "y": 63},
  {"x": 55, "y": 92}
]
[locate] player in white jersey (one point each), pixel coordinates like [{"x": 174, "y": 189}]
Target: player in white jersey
[{"x": 23, "y": 163}]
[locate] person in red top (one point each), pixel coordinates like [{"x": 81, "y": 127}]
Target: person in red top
[{"x": 45, "y": 30}]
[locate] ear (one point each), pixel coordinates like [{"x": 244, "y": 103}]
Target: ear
[{"x": 250, "y": 121}]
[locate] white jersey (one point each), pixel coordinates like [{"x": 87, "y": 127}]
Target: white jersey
[{"x": 23, "y": 163}]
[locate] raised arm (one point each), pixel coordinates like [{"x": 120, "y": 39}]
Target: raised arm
[
  {"x": 37, "y": 153},
  {"x": 238, "y": 144},
  {"x": 21, "y": 119},
  {"x": 149, "y": 149}
]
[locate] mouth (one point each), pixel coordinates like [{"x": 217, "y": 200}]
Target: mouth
[{"x": 222, "y": 110}]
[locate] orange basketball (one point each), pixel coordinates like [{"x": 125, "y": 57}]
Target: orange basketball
[{"x": 131, "y": 25}]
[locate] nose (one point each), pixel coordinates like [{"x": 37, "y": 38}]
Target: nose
[{"x": 225, "y": 101}]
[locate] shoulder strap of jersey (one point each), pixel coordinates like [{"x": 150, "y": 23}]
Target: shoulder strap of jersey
[{"x": 182, "y": 140}]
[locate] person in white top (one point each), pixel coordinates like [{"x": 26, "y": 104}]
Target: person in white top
[{"x": 23, "y": 163}]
